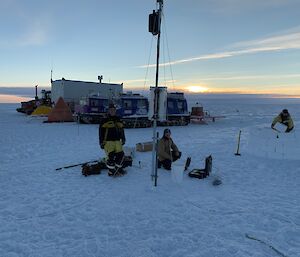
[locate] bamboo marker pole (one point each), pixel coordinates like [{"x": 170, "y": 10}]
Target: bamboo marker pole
[{"x": 238, "y": 147}]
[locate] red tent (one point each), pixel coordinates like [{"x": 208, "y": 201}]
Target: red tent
[{"x": 61, "y": 112}]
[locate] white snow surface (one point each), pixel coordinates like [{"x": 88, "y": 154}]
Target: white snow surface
[{"x": 44, "y": 212}]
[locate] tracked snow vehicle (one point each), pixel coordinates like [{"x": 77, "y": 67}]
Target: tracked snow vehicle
[{"x": 135, "y": 110}]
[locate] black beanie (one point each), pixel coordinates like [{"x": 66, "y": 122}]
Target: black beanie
[{"x": 167, "y": 131}]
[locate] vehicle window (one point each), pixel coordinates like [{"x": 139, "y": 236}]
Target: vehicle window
[
  {"x": 94, "y": 102},
  {"x": 127, "y": 104},
  {"x": 180, "y": 106},
  {"x": 141, "y": 103},
  {"x": 170, "y": 105},
  {"x": 83, "y": 102}
]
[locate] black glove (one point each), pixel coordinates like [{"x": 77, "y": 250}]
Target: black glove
[
  {"x": 102, "y": 145},
  {"x": 179, "y": 155}
]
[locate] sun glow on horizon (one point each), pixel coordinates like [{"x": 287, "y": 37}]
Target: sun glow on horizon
[{"x": 197, "y": 89}]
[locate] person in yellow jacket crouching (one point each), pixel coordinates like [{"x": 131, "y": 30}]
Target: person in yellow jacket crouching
[
  {"x": 284, "y": 118},
  {"x": 112, "y": 139}
]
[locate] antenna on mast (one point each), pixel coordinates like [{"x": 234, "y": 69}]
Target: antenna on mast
[{"x": 100, "y": 79}]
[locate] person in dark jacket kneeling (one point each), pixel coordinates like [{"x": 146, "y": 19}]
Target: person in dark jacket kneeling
[
  {"x": 167, "y": 151},
  {"x": 112, "y": 139}
]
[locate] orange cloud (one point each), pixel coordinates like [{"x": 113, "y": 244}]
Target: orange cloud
[{"x": 13, "y": 99}]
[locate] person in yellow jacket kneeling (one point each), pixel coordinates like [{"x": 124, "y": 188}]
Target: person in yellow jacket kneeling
[
  {"x": 284, "y": 118},
  {"x": 112, "y": 139}
]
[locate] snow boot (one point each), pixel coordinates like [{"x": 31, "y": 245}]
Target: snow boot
[
  {"x": 111, "y": 167},
  {"x": 111, "y": 172},
  {"x": 159, "y": 164},
  {"x": 119, "y": 171}
]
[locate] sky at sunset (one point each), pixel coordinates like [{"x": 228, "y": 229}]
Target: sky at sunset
[{"x": 212, "y": 46}]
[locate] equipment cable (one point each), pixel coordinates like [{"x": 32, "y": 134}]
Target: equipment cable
[
  {"x": 168, "y": 50},
  {"x": 147, "y": 70}
]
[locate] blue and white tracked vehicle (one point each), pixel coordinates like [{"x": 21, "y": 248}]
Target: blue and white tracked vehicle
[
  {"x": 135, "y": 110},
  {"x": 132, "y": 108},
  {"x": 172, "y": 108}
]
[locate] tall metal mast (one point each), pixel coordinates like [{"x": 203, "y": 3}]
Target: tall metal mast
[{"x": 154, "y": 28}]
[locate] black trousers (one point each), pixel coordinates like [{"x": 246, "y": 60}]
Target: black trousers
[
  {"x": 288, "y": 129},
  {"x": 167, "y": 164},
  {"x": 115, "y": 159}
]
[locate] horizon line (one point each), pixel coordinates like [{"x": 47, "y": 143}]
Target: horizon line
[{"x": 25, "y": 95}]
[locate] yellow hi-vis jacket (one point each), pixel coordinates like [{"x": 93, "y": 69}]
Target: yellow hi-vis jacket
[
  {"x": 111, "y": 129},
  {"x": 288, "y": 121}
]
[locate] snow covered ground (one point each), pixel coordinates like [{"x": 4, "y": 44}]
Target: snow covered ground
[{"x": 44, "y": 212}]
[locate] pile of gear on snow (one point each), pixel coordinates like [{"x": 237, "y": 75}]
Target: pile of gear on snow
[{"x": 95, "y": 168}]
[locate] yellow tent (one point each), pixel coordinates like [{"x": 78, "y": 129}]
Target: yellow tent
[{"x": 42, "y": 110}]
